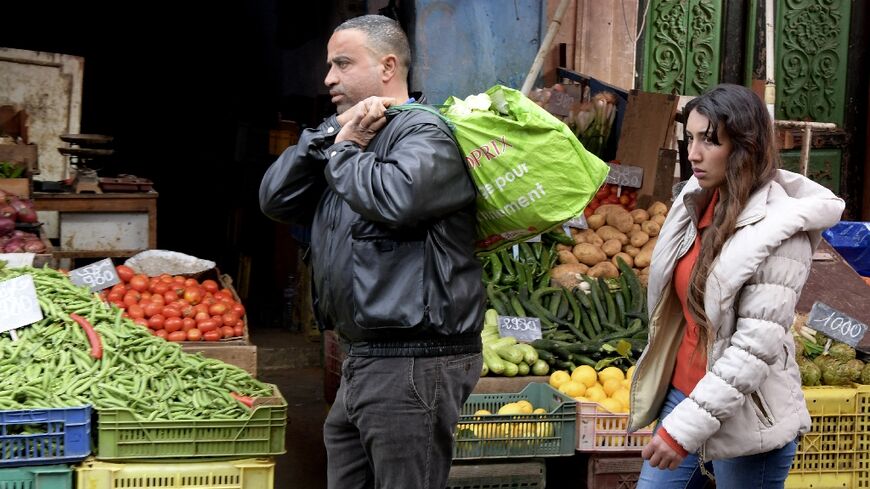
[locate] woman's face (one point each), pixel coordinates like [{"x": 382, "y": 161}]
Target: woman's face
[{"x": 709, "y": 160}]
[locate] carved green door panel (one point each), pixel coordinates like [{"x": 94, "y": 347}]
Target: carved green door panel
[
  {"x": 683, "y": 46},
  {"x": 812, "y": 42},
  {"x": 824, "y": 166}
]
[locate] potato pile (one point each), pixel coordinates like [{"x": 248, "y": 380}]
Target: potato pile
[{"x": 613, "y": 233}]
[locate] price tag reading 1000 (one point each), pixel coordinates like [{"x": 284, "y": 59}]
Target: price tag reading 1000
[{"x": 835, "y": 324}]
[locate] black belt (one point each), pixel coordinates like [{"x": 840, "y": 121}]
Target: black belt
[{"x": 425, "y": 347}]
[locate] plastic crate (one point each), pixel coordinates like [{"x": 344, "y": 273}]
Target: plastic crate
[
  {"x": 121, "y": 436},
  {"x": 44, "y": 436},
  {"x": 836, "y": 450},
  {"x": 606, "y": 432},
  {"x": 521, "y": 435},
  {"x": 252, "y": 473},
  {"x": 610, "y": 472},
  {"x": 41, "y": 477},
  {"x": 518, "y": 475}
]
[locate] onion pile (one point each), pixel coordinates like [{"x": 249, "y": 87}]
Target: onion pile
[{"x": 13, "y": 210}]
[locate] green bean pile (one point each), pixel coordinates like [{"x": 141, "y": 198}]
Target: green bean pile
[{"x": 50, "y": 365}]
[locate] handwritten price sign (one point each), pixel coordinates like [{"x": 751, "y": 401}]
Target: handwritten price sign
[
  {"x": 96, "y": 276},
  {"x": 834, "y": 324},
  {"x": 18, "y": 304},
  {"x": 523, "y": 329},
  {"x": 625, "y": 175}
]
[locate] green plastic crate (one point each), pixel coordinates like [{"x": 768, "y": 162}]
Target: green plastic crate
[
  {"x": 121, "y": 436},
  {"x": 252, "y": 473},
  {"x": 37, "y": 477},
  {"x": 521, "y": 435}
]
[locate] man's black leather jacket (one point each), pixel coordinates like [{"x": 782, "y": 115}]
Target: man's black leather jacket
[{"x": 392, "y": 235}]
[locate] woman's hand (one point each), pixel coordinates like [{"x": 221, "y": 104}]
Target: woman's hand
[{"x": 660, "y": 455}]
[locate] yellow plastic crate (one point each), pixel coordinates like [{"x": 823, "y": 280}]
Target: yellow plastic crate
[
  {"x": 249, "y": 473},
  {"x": 835, "y": 453}
]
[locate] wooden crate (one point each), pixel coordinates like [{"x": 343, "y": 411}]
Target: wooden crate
[
  {"x": 235, "y": 351},
  {"x": 16, "y": 186},
  {"x": 243, "y": 356},
  {"x": 613, "y": 472}
]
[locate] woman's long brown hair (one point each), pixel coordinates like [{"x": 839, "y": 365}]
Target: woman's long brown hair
[{"x": 752, "y": 163}]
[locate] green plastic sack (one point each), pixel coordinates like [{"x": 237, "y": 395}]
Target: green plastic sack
[{"x": 531, "y": 172}]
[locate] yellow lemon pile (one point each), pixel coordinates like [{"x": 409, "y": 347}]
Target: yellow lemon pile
[
  {"x": 610, "y": 387},
  {"x": 534, "y": 428}
]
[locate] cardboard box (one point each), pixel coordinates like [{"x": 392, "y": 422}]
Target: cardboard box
[
  {"x": 21, "y": 153},
  {"x": 646, "y": 139},
  {"x": 240, "y": 355}
]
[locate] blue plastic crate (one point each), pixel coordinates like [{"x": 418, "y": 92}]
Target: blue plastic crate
[
  {"x": 44, "y": 436},
  {"x": 851, "y": 239}
]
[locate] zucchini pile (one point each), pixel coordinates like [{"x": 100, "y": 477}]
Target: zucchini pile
[{"x": 505, "y": 356}]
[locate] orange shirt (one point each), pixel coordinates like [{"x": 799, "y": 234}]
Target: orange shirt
[{"x": 691, "y": 364}]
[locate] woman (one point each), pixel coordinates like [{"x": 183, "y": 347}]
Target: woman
[{"x": 719, "y": 372}]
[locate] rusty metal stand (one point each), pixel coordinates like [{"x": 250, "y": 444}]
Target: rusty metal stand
[{"x": 807, "y": 137}]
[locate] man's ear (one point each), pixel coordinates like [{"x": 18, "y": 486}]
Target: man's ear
[{"x": 389, "y": 67}]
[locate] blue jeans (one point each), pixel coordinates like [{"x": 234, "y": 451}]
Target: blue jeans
[
  {"x": 392, "y": 423},
  {"x": 763, "y": 471}
]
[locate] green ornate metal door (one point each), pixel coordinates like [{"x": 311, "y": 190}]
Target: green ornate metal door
[
  {"x": 683, "y": 46},
  {"x": 812, "y": 42}
]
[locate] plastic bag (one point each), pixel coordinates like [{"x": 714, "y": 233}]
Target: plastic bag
[
  {"x": 531, "y": 172},
  {"x": 851, "y": 239}
]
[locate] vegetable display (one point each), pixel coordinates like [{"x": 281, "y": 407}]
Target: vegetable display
[
  {"x": 602, "y": 325},
  {"x": 823, "y": 361},
  {"x": 14, "y": 210},
  {"x": 613, "y": 233},
  {"x": 178, "y": 308},
  {"x": 85, "y": 351}
]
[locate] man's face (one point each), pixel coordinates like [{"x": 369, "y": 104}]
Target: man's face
[{"x": 354, "y": 72}]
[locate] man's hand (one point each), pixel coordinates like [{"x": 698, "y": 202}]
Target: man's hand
[
  {"x": 660, "y": 455},
  {"x": 361, "y": 123}
]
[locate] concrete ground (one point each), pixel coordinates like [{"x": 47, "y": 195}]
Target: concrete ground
[{"x": 293, "y": 362}]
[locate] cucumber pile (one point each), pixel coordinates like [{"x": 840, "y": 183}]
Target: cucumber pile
[{"x": 608, "y": 327}]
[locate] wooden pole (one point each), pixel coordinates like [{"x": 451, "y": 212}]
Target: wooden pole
[{"x": 545, "y": 46}]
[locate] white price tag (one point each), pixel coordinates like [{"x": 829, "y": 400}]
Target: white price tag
[
  {"x": 18, "y": 304},
  {"x": 18, "y": 260}
]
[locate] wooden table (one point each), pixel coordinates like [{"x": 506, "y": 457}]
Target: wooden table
[{"x": 136, "y": 202}]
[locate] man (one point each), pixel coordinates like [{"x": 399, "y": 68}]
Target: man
[{"x": 393, "y": 263}]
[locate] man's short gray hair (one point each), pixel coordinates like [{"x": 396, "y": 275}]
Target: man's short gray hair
[{"x": 385, "y": 37}]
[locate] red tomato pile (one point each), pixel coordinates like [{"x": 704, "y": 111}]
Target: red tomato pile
[
  {"x": 177, "y": 308},
  {"x": 609, "y": 194}
]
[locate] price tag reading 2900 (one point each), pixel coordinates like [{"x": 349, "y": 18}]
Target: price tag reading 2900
[{"x": 521, "y": 328}]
